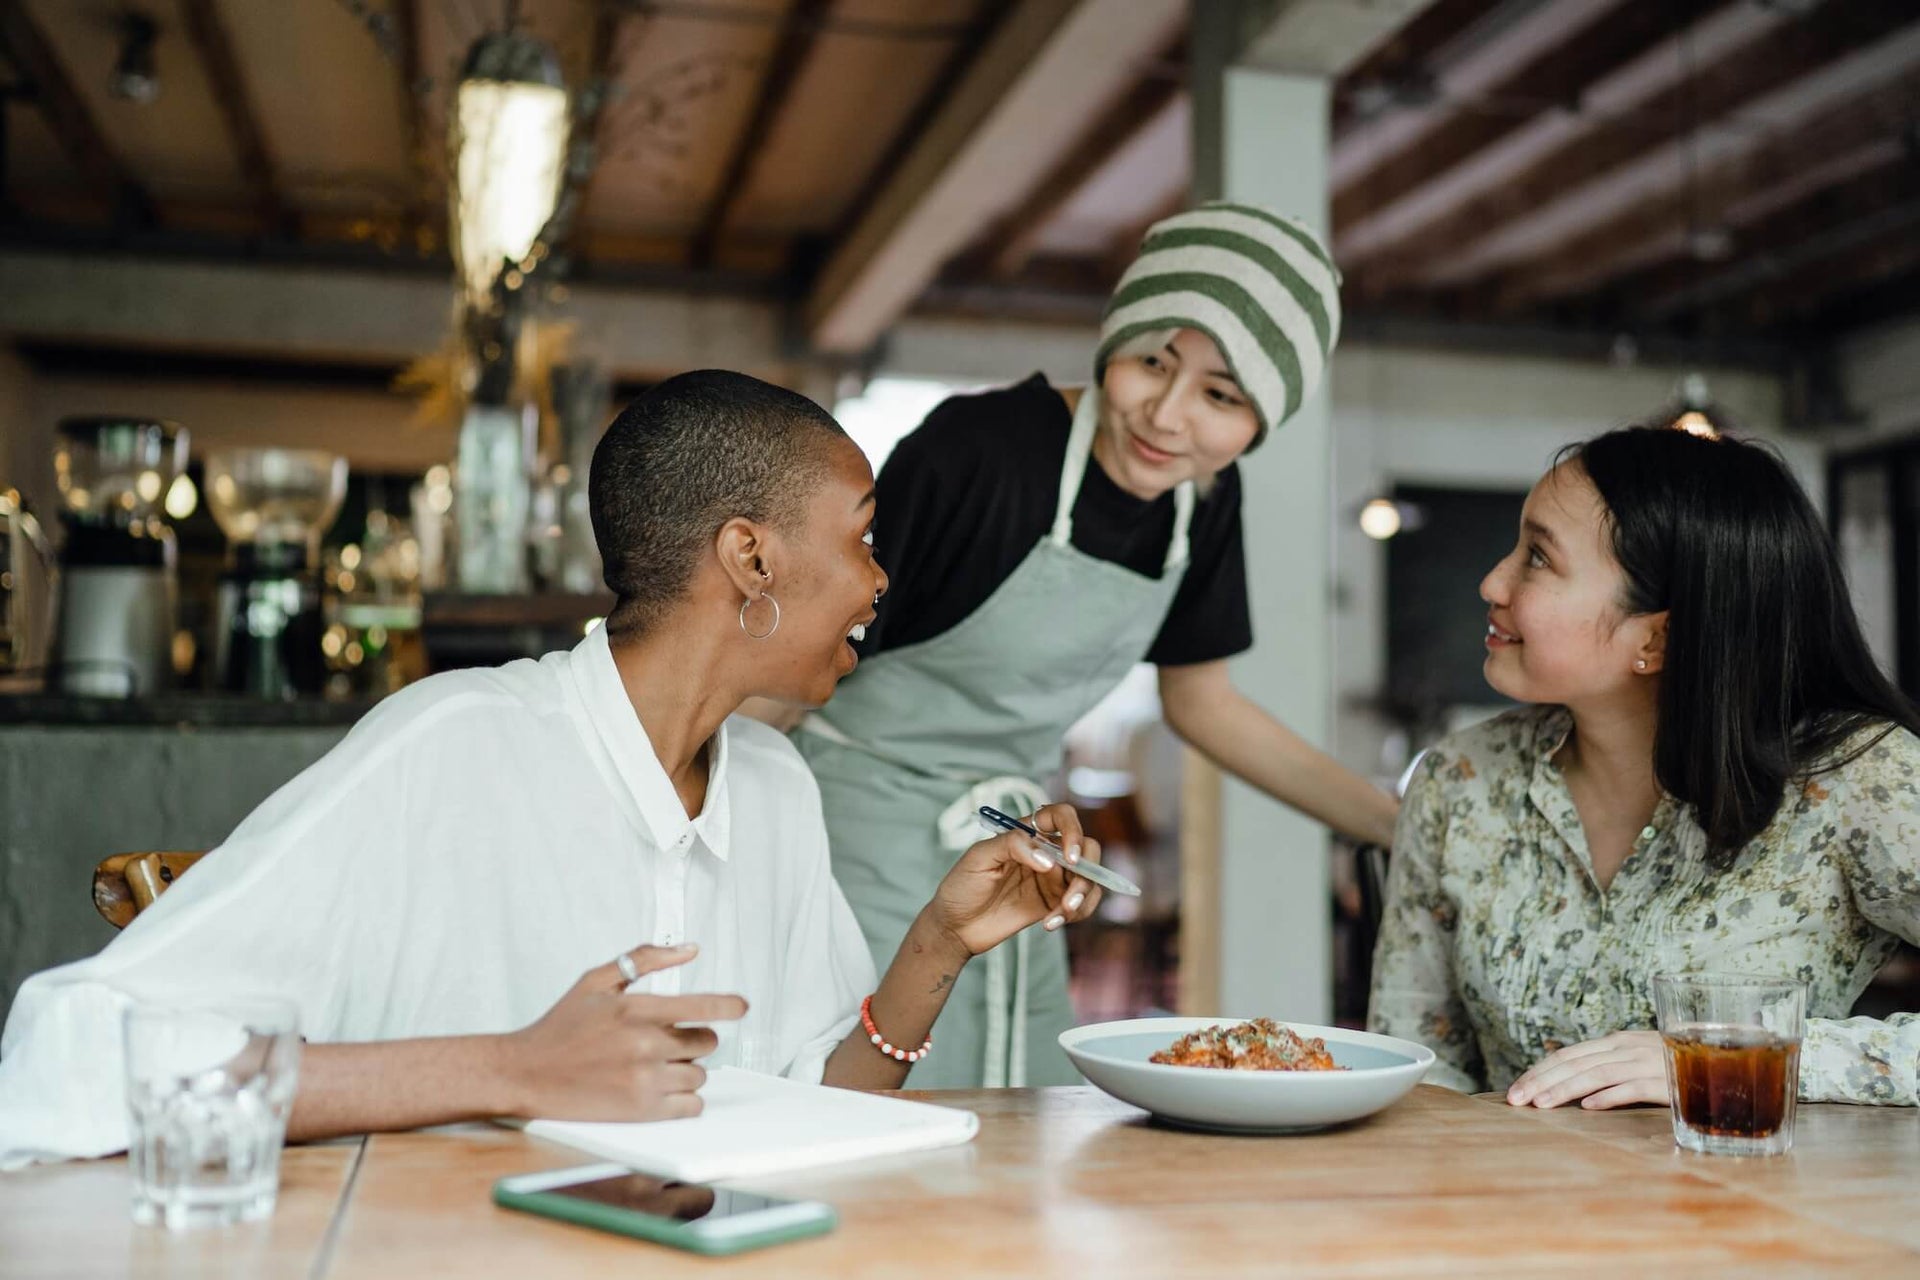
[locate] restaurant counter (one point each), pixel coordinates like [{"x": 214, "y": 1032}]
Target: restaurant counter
[{"x": 82, "y": 778}]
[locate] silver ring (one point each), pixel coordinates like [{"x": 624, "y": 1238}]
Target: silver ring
[{"x": 628, "y": 969}]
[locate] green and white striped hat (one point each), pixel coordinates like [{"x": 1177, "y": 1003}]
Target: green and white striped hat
[{"x": 1260, "y": 285}]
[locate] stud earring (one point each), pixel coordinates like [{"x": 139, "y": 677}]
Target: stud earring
[{"x": 1640, "y": 665}]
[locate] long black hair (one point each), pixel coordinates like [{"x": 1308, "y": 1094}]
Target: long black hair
[{"x": 1767, "y": 676}]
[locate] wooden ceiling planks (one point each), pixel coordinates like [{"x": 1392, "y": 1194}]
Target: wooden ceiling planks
[
  {"x": 1791, "y": 167},
  {"x": 1014, "y": 239},
  {"x": 799, "y": 33},
  {"x": 68, "y": 116},
  {"x": 1830, "y": 241},
  {"x": 683, "y": 90},
  {"x": 424, "y": 200},
  {"x": 863, "y": 89},
  {"x": 207, "y": 29},
  {"x": 1552, "y": 80},
  {"x": 1782, "y": 54},
  {"x": 1403, "y": 59}
]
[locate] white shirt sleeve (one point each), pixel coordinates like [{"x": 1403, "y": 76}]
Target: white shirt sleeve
[
  {"x": 829, "y": 969},
  {"x": 270, "y": 912}
]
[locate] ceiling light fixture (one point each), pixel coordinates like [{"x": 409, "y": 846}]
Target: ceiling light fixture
[
  {"x": 509, "y": 146},
  {"x": 1694, "y": 411},
  {"x": 1385, "y": 518},
  {"x": 135, "y": 76}
]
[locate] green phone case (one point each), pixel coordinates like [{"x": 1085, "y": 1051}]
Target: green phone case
[{"x": 646, "y": 1226}]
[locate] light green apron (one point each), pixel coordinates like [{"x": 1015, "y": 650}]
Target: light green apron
[{"x": 918, "y": 738}]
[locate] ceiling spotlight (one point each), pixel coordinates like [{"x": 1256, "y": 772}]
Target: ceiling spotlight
[{"x": 135, "y": 77}]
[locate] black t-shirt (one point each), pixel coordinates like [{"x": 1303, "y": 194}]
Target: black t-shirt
[{"x": 965, "y": 497}]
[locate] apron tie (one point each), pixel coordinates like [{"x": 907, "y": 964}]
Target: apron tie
[
  {"x": 960, "y": 822},
  {"x": 1004, "y": 1062}
]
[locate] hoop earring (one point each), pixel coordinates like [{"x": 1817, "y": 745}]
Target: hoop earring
[{"x": 748, "y": 604}]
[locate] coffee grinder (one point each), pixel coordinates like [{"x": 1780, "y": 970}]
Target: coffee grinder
[
  {"x": 117, "y": 586},
  {"x": 273, "y": 505}
]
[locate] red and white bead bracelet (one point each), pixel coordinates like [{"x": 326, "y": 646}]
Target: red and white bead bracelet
[{"x": 881, "y": 1042}]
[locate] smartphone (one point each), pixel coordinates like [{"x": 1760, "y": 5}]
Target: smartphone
[{"x": 710, "y": 1220}]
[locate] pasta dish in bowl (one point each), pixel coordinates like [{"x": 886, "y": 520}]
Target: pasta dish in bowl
[{"x": 1247, "y": 1076}]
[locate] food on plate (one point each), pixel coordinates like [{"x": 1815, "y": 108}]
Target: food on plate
[{"x": 1260, "y": 1045}]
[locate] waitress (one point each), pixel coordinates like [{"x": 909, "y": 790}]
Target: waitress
[{"x": 1043, "y": 542}]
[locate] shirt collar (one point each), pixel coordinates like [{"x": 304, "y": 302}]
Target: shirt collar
[
  {"x": 618, "y": 727},
  {"x": 1547, "y": 788}
]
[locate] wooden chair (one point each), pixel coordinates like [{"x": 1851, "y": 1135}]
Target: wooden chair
[
  {"x": 1370, "y": 864},
  {"x": 126, "y": 884}
]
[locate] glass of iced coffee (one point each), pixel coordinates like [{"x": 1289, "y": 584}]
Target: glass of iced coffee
[{"x": 1733, "y": 1060}]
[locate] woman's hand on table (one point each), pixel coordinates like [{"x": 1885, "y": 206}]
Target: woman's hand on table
[
  {"x": 1619, "y": 1070},
  {"x": 1002, "y": 885},
  {"x": 601, "y": 1054}
]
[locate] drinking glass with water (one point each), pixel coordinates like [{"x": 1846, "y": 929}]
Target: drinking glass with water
[
  {"x": 209, "y": 1088},
  {"x": 1733, "y": 1060}
]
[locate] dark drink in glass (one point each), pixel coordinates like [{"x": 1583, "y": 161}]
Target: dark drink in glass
[
  {"x": 1733, "y": 1060},
  {"x": 1734, "y": 1082}
]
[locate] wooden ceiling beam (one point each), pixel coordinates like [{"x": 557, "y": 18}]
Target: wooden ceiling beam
[
  {"x": 799, "y": 32},
  {"x": 1125, "y": 247},
  {"x": 1403, "y": 56},
  {"x": 1551, "y": 80},
  {"x": 1039, "y": 79},
  {"x": 416, "y": 132},
  {"x": 1784, "y": 53},
  {"x": 1463, "y": 70},
  {"x": 66, "y": 114},
  {"x": 1739, "y": 194},
  {"x": 1818, "y": 297},
  {"x": 584, "y": 152},
  {"x": 966, "y": 51},
  {"x": 1799, "y": 249},
  {"x": 1016, "y": 237},
  {"x": 208, "y": 32}
]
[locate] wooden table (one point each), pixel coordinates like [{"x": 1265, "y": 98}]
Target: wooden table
[{"x": 1069, "y": 1182}]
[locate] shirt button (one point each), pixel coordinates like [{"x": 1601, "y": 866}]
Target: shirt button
[{"x": 1648, "y": 833}]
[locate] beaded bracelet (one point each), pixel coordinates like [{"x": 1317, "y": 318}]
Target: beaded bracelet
[{"x": 873, "y": 1034}]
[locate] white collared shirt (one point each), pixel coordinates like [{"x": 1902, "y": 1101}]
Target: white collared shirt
[{"x": 452, "y": 867}]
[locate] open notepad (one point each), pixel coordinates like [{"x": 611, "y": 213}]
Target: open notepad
[{"x": 758, "y": 1125}]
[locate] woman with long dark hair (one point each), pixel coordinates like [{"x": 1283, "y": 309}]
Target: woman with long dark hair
[{"x": 1713, "y": 774}]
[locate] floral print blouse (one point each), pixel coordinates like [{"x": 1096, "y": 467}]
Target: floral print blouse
[{"x": 1498, "y": 946}]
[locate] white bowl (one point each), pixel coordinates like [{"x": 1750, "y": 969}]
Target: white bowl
[{"x": 1114, "y": 1056}]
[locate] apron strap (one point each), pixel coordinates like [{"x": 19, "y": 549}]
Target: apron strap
[
  {"x": 1177, "y": 546},
  {"x": 1023, "y": 979},
  {"x": 1004, "y": 1064},
  {"x": 1086, "y": 424},
  {"x": 1004, "y": 1061}
]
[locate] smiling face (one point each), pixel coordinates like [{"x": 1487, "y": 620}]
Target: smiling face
[
  {"x": 1556, "y": 628},
  {"x": 1173, "y": 414},
  {"x": 826, "y": 580}
]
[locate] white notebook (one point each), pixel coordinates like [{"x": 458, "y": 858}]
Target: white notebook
[{"x": 758, "y": 1125}]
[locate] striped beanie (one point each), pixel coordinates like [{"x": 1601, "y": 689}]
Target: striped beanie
[{"x": 1261, "y": 286}]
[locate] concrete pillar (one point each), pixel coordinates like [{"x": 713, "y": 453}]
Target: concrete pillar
[{"x": 1261, "y": 136}]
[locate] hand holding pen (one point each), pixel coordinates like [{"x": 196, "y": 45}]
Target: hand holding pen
[{"x": 1032, "y": 873}]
